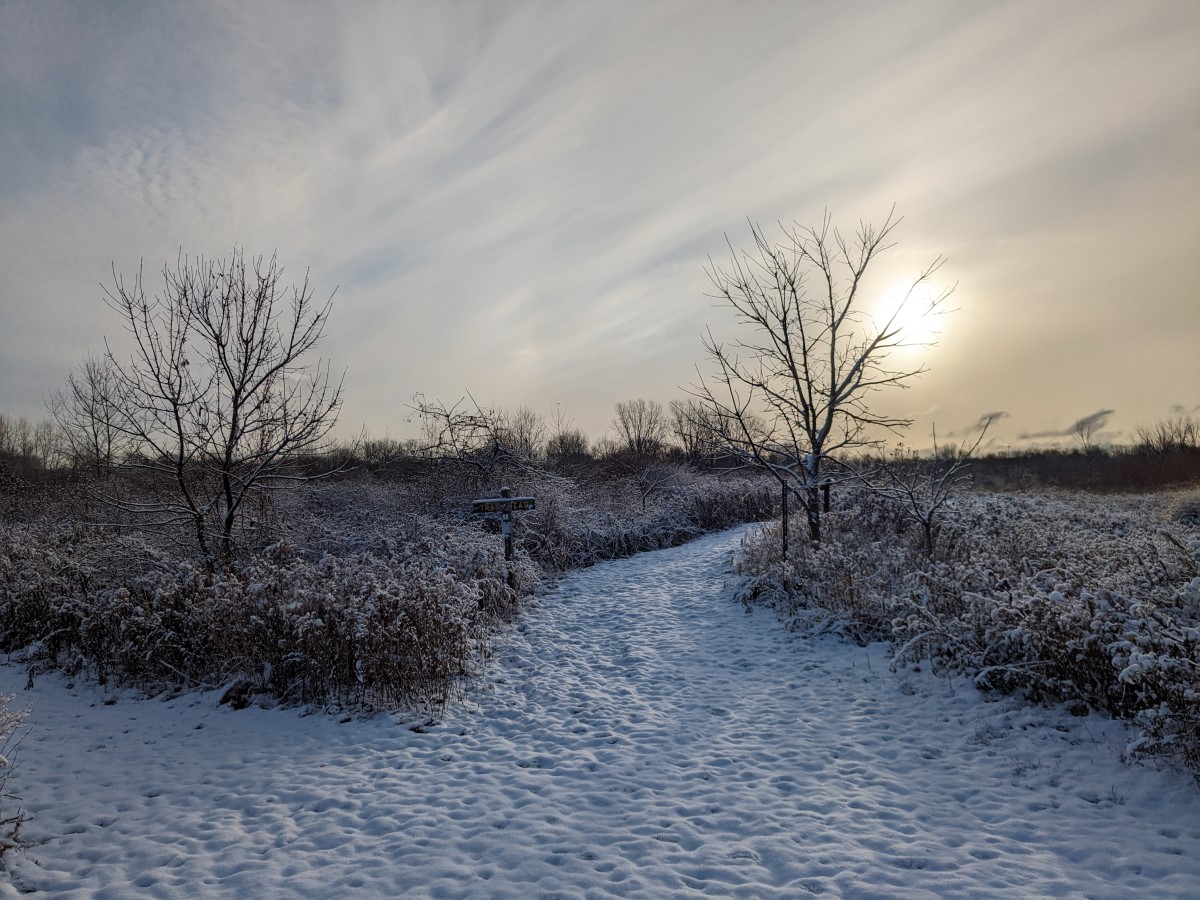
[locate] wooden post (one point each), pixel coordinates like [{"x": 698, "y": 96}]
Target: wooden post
[{"x": 506, "y": 524}]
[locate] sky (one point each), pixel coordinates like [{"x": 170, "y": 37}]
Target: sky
[{"x": 518, "y": 200}]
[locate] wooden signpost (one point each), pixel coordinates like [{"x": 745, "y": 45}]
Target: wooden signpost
[{"x": 506, "y": 505}]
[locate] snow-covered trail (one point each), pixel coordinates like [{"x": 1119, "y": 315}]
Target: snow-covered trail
[{"x": 638, "y": 735}]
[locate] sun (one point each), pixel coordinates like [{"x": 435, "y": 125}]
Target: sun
[{"x": 915, "y": 312}]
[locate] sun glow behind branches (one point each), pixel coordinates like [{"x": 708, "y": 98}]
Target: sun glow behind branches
[{"x": 917, "y": 313}]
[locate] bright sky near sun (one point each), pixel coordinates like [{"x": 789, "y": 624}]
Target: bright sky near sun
[{"x": 518, "y": 199}]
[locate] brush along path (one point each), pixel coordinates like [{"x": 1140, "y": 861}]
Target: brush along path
[{"x": 637, "y": 734}]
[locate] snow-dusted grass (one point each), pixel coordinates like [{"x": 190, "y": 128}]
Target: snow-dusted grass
[
  {"x": 377, "y": 594},
  {"x": 11, "y": 818},
  {"x": 1092, "y": 600},
  {"x": 637, "y": 735}
]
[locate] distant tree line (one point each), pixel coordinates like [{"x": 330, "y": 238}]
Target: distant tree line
[
  {"x": 1163, "y": 453},
  {"x": 218, "y": 400}
]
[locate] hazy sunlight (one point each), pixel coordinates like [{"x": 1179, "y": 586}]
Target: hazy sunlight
[{"x": 913, "y": 311}]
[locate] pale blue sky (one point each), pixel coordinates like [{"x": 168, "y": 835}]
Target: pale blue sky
[{"x": 517, "y": 199}]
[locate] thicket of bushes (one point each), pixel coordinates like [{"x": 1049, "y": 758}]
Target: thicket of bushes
[
  {"x": 344, "y": 629},
  {"x": 1092, "y": 600},
  {"x": 360, "y": 592}
]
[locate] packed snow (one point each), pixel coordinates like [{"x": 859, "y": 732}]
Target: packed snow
[{"x": 637, "y": 733}]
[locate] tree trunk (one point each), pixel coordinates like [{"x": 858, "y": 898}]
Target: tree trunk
[
  {"x": 198, "y": 521},
  {"x": 813, "y": 508}
]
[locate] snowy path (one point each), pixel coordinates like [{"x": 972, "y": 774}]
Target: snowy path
[{"x": 638, "y": 735}]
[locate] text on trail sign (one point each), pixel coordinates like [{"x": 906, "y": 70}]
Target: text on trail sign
[{"x": 503, "y": 504}]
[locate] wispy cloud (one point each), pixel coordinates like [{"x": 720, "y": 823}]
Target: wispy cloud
[
  {"x": 518, "y": 198},
  {"x": 987, "y": 420},
  {"x": 1090, "y": 427}
]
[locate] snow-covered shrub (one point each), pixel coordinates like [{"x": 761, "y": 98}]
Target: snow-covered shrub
[
  {"x": 1076, "y": 598},
  {"x": 10, "y": 725},
  {"x": 354, "y": 629},
  {"x": 368, "y": 599},
  {"x": 839, "y": 584}
]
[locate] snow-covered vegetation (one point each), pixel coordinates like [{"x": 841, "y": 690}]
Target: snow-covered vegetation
[
  {"x": 636, "y": 734},
  {"x": 360, "y": 592},
  {"x": 11, "y": 720},
  {"x": 1088, "y": 599}
]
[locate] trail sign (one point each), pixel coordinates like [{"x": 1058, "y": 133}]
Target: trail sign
[
  {"x": 503, "y": 504},
  {"x": 506, "y": 504}
]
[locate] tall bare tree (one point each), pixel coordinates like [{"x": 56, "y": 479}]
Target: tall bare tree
[
  {"x": 88, "y": 415},
  {"x": 695, "y": 429},
  {"x": 524, "y": 430},
  {"x": 46, "y": 442},
  {"x": 1087, "y": 429},
  {"x": 641, "y": 425},
  {"x": 22, "y": 432},
  {"x": 217, "y": 393},
  {"x": 567, "y": 444},
  {"x": 816, "y": 357},
  {"x": 29, "y": 444}
]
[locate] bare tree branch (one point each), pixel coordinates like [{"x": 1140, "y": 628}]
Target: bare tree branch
[{"x": 922, "y": 488}]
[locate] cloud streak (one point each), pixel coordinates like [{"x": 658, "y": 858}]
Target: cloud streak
[{"x": 1085, "y": 428}]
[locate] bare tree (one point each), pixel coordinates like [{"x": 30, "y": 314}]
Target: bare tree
[
  {"x": 467, "y": 435},
  {"x": 524, "y": 431},
  {"x": 816, "y": 357},
  {"x": 567, "y": 444},
  {"x": 641, "y": 425},
  {"x": 22, "y": 437},
  {"x": 216, "y": 394},
  {"x": 88, "y": 415},
  {"x": 922, "y": 488},
  {"x": 31, "y": 445},
  {"x": 657, "y": 478},
  {"x": 1087, "y": 428},
  {"x": 46, "y": 443},
  {"x": 691, "y": 426},
  {"x": 1180, "y": 432}
]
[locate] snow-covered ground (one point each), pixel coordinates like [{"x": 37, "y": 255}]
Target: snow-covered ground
[{"x": 637, "y": 735}]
